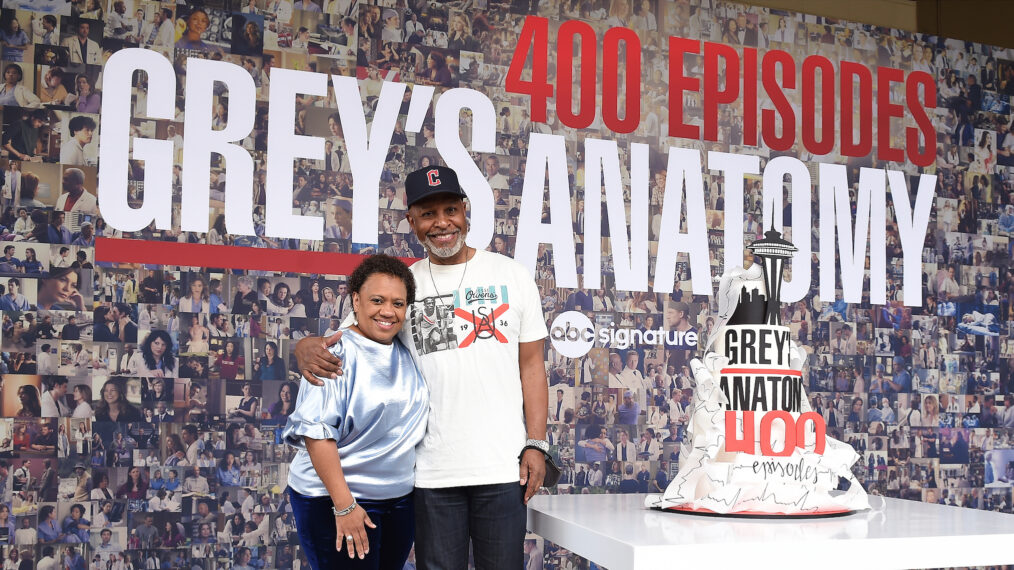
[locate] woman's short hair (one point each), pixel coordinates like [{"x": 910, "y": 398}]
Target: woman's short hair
[{"x": 387, "y": 265}]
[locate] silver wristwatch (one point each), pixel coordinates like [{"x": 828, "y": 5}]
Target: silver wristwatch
[{"x": 540, "y": 444}]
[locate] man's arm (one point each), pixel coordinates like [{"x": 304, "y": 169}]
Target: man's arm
[
  {"x": 314, "y": 359},
  {"x": 534, "y": 391}
]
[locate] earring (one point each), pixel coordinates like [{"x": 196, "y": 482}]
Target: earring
[{"x": 355, "y": 319}]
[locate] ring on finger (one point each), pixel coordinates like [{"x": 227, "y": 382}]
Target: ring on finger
[{"x": 348, "y": 537}]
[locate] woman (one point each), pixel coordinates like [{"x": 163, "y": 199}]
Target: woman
[
  {"x": 59, "y": 291},
  {"x": 229, "y": 362},
  {"x": 175, "y": 455},
  {"x": 377, "y": 366},
  {"x": 102, "y": 518},
  {"x": 103, "y": 326},
  {"x": 437, "y": 70},
  {"x": 228, "y": 471},
  {"x": 279, "y": 302},
  {"x": 156, "y": 356},
  {"x": 270, "y": 366},
  {"x": 242, "y": 559},
  {"x": 312, "y": 300},
  {"x": 197, "y": 299},
  {"x": 248, "y": 405},
  {"x": 329, "y": 304},
  {"x": 13, "y": 93},
  {"x": 82, "y": 402},
  {"x": 197, "y": 23},
  {"x": 287, "y": 395},
  {"x": 14, "y": 40},
  {"x": 156, "y": 391},
  {"x": 114, "y": 407},
  {"x": 135, "y": 488},
  {"x": 62, "y": 442},
  {"x": 31, "y": 407},
  {"x": 31, "y": 265},
  {"x": 86, "y": 98},
  {"x": 52, "y": 90},
  {"x": 930, "y": 412},
  {"x": 199, "y": 335},
  {"x": 171, "y": 536}
]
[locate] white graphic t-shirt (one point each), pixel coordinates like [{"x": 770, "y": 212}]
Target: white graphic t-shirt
[{"x": 465, "y": 340}]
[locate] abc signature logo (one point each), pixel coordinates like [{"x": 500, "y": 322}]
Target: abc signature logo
[{"x": 572, "y": 334}]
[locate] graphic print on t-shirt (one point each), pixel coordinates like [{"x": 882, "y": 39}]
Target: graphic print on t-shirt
[
  {"x": 460, "y": 319},
  {"x": 432, "y": 321},
  {"x": 480, "y": 312}
]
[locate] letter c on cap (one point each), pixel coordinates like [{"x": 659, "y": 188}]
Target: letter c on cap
[{"x": 433, "y": 178}]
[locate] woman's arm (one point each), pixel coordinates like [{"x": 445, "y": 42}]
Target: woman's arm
[{"x": 324, "y": 456}]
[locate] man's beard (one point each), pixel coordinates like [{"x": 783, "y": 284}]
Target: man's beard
[{"x": 449, "y": 251}]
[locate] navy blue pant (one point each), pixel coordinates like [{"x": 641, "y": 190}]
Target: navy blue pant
[
  {"x": 390, "y": 542},
  {"x": 492, "y": 516}
]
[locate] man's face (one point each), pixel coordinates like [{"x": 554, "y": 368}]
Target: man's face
[
  {"x": 343, "y": 289},
  {"x": 58, "y": 390},
  {"x": 632, "y": 359},
  {"x": 614, "y": 362},
  {"x": 439, "y": 224},
  {"x": 83, "y": 29},
  {"x": 492, "y": 167},
  {"x": 624, "y": 438}
]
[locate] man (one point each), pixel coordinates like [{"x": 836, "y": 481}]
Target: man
[
  {"x": 21, "y": 138},
  {"x": 64, "y": 259},
  {"x": 160, "y": 32},
  {"x": 596, "y": 476},
  {"x": 628, "y": 410},
  {"x": 9, "y": 263},
  {"x": 48, "y": 30},
  {"x": 23, "y": 476},
  {"x": 557, "y": 408},
  {"x": 74, "y": 197},
  {"x": 193, "y": 443},
  {"x": 902, "y": 381},
  {"x": 70, "y": 330},
  {"x": 197, "y": 483},
  {"x": 125, "y": 327},
  {"x": 534, "y": 554},
  {"x": 497, "y": 181},
  {"x": 28, "y": 535},
  {"x": 391, "y": 200},
  {"x": 343, "y": 302},
  {"x": 146, "y": 533},
  {"x": 86, "y": 238},
  {"x": 633, "y": 380},
  {"x": 509, "y": 398},
  {"x": 259, "y": 535},
  {"x": 106, "y": 542},
  {"x": 204, "y": 514},
  {"x": 399, "y": 248},
  {"x": 82, "y": 129},
  {"x": 52, "y": 400},
  {"x": 151, "y": 288},
  {"x": 118, "y": 25},
  {"x": 82, "y": 48}
]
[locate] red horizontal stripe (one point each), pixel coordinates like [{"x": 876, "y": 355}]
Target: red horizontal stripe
[
  {"x": 785, "y": 372},
  {"x": 227, "y": 256}
]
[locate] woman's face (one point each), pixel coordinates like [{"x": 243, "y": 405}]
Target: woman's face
[
  {"x": 110, "y": 393},
  {"x": 196, "y": 288},
  {"x": 11, "y": 76},
  {"x": 269, "y": 350},
  {"x": 59, "y": 290},
  {"x": 329, "y": 294},
  {"x": 82, "y": 86},
  {"x": 230, "y": 349},
  {"x": 23, "y": 394},
  {"x": 197, "y": 23},
  {"x": 158, "y": 347},
  {"x": 283, "y": 293},
  {"x": 285, "y": 394},
  {"x": 157, "y": 386},
  {"x": 135, "y": 473},
  {"x": 246, "y": 390}
]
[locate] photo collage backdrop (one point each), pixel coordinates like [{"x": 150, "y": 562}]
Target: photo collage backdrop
[{"x": 141, "y": 405}]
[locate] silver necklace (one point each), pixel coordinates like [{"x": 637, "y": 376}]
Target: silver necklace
[{"x": 460, "y": 281}]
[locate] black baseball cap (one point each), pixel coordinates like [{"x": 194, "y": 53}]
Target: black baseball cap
[{"x": 431, "y": 181}]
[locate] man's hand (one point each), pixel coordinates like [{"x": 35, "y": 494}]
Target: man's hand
[
  {"x": 533, "y": 471},
  {"x": 314, "y": 359}
]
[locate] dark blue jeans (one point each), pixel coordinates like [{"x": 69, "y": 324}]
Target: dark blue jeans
[
  {"x": 390, "y": 542},
  {"x": 492, "y": 516}
]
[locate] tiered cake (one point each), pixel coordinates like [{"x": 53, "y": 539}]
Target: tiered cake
[{"x": 753, "y": 445}]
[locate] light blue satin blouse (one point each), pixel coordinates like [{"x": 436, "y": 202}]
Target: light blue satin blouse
[{"x": 376, "y": 412}]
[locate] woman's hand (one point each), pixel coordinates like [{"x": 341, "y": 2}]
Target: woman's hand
[{"x": 352, "y": 532}]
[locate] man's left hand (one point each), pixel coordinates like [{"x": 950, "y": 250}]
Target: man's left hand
[{"x": 533, "y": 471}]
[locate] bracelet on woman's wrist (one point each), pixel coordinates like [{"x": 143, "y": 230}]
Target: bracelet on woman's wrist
[{"x": 344, "y": 511}]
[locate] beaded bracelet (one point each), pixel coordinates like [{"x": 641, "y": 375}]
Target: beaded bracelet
[{"x": 344, "y": 511}]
